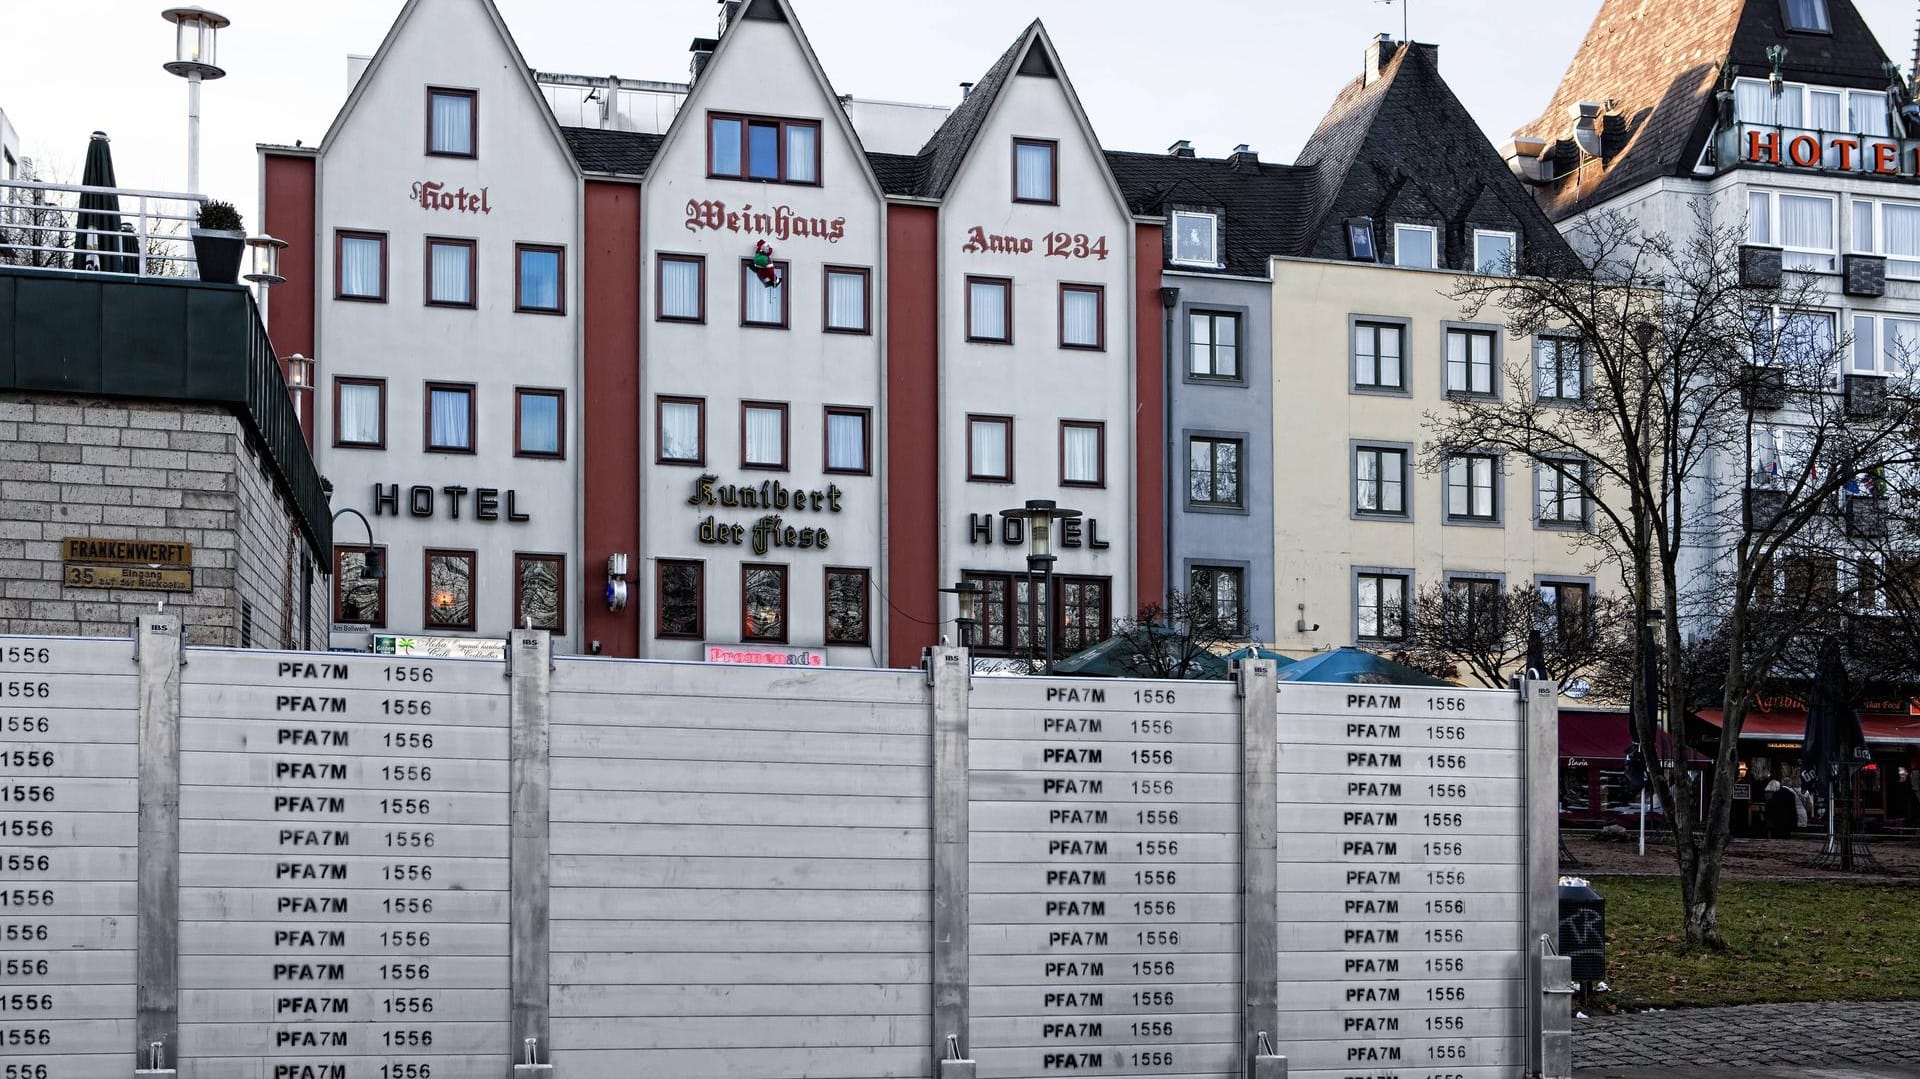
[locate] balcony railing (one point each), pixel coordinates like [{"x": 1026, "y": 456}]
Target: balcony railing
[{"x": 44, "y": 226}]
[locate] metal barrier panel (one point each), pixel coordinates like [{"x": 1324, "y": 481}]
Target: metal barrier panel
[
  {"x": 1403, "y": 881},
  {"x": 343, "y": 866},
  {"x": 741, "y": 871},
  {"x": 69, "y": 762}
]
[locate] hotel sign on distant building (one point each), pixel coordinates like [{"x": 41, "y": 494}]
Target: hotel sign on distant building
[
  {"x": 433, "y": 195},
  {"x": 1840, "y": 153}
]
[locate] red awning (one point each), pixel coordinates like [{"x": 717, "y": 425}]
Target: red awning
[
  {"x": 1602, "y": 737},
  {"x": 1881, "y": 729}
]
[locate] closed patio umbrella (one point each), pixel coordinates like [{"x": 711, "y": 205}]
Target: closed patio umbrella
[
  {"x": 99, "y": 243},
  {"x": 1832, "y": 750}
]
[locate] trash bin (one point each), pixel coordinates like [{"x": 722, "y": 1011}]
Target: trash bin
[{"x": 1583, "y": 932}]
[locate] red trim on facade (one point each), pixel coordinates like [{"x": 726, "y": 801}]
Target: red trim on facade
[
  {"x": 913, "y": 429},
  {"x": 609, "y": 404},
  {"x": 288, "y": 213},
  {"x": 1150, "y": 436}
]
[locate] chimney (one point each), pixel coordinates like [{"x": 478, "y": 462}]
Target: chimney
[
  {"x": 1586, "y": 131},
  {"x": 966, "y": 90},
  {"x": 1243, "y": 156},
  {"x": 1183, "y": 148},
  {"x": 1380, "y": 52},
  {"x": 729, "y": 11},
  {"x": 356, "y": 67},
  {"x": 702, "y": 50}
]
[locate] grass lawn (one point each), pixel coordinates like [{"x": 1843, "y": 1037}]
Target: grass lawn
[{"x": 1786, "y": 942}]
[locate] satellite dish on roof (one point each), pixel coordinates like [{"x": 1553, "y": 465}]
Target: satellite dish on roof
[{"x": 1577, "y": 689}]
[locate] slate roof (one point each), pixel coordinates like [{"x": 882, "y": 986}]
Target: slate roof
[
  {"x": 899, "y": 174},
  {"x": 618, "y": 153},
  {"x": 1264, "y": 207},
  {"x": 1334, "y": 145},
  {"x": 1654, "y": 60},
  {"x": 948, "y": 147}
]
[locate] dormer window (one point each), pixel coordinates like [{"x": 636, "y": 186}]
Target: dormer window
[
  {"x": 766, "y": 149},
  {"x": 1492, "y": 251},
  {"x": 1415, "y": 245},
  {"x": 1360, "y": 246},
  {"x": 1808, "y": 16},
  {"x": 1036, "y": 171},
  {"x": 452, "y": 122},
  {"x": 1196, "y": 239}
]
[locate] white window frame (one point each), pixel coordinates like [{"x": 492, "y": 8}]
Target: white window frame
[
  {"x": 1480, "y": 265},
  {"x": 1213, "y": 238},
  {"x": 1777, "y": 316},
  {"x": 1906, "y": 267},
  {"x": 1801, "y": 90},
  {"x": 1870, "y": 330},
  {"x": 1823, "y": 260},
  {"x": 1433, "y": 240}
]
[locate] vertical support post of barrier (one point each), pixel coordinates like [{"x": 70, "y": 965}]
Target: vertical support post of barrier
[
  {"x": 157, "y": 939},
  {"x": 1259, "y": 866},
  {"x": 530, "y": 669},
  {"x": 1549, "y": 975},
  {"x": 949, "y": 671}
]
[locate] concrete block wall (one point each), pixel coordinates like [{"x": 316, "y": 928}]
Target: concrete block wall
[{"x": 86, "y": 466}]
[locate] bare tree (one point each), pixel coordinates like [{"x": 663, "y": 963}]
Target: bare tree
[
  {"x": 1487, "y": 630},
  {"x": 1715, "y": 439},
  {"x": 1172, "y": 639},
  {"x": 32, "y": 226}
]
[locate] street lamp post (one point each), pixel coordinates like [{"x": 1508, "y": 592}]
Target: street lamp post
[
  {"x": 969, "y": 620},
  {"x": 1039, "y": 514},
  {"x": 299, "y": 384},
  {"x": 1649, "y": 666},
  {"x": 195, "y": 57},
  {"x": 375, "y": 567}
]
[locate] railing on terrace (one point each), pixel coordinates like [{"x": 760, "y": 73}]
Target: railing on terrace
[{"x": 45, "y": 226}]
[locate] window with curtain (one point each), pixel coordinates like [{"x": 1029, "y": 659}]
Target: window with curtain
[
  {"x": 1889, "y": 229},
  {"x": 1213, "y": 344},
  {"x": 763, "y": 148},
  {"x": 989, "y": 309},
  {"x": 763, "y": 436},
  {"x": 450, "y": 273},
  {"x": 1806, "y": 337},
  {"x": 1378, "y": 351},
  {"x": 763, "y": 603},
  {"x": 1082, "y": 612},
  {"x": 1752, "y": 101},
  {"x": 679, "y": 599},
  {"x": 1808, "y": 16},
  {"x": 1380, "y": 606},
  {"x": 539, "y": 427},
  {"x": 1559, "y": 370},
  {"x": 539, "y": 591},
  {"x": 995, "y": 588},
  {"x": 1380, "y": 481},
  {"x": 1080, "y": 321},
  {"x": 1493, "y": 252},
  {"x": 362, "y": 269},
  {"x": 1471, "y": 492},
  {"x": 803, "y": 154},
  {"x": 1805, "y": 230},
  {"x": 1034, "y": 171},
  {"x": 1213, "y": 471},
  {"x": 1219, "y": 590},
  {"x": 1415, "y": 245},
  {"x": 762, "y": 304},
  {"x": 990, "y": 448},
  {"x": 682, "y": 423},
  {"x": 1082, "y": 453},
  {"x": 1562, "y": 496},
  {"x": 1759, "y": 218},
  {"x": 358, "y": 599},
  {"x": 847, "y": 440},
  {"x": 847, "y": 300},
  {"x": 449, "y": 589},
  {"x": 1470, "y": 367},
  {"x": 449, "y": 418},
  {"x": 1883, "y": 345},
  {"x": 359, "y": 412},
  {"x": 1867, "y": 112},
  {"x": 451, "y": 118},
  {"x": 539, "y": 276},
  {"x": 683, "y": 288},
  {"x": 1196, "y": 238},
  {"x": 848, "y": 607}
]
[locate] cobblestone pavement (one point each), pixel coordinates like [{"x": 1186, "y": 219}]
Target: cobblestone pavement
[{"x": 1825, "y": 1040}]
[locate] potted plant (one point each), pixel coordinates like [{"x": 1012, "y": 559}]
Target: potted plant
[{"x": 219, "y": 242}]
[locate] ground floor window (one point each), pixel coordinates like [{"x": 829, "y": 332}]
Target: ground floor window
[
  {"x": 1080, "y": 610},
  {"x": 539, "y": 592},
  {"x": 848, "y": 615},
  {"x": 1221, "y": 590},
  {"x": 449, "y": 577},
  {"x": 359, "y": 597},
  {"x": 679, "y": 599},
  {"x": 763, "y": 603}
]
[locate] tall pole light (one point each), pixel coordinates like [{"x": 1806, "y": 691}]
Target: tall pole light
[
  {"x": 1039, "y": 514},
  {"x": 195, "y": 57},
  {"x": 969, "y": 593},
  {"x": 299, "y": 384}
]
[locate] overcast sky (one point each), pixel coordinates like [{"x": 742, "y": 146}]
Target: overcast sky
[{"x": 1218, "y": 72}]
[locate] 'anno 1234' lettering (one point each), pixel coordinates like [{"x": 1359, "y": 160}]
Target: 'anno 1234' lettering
[{"x": 1063, "y": 245}]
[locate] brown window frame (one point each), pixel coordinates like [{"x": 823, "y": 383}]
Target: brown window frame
[
  {"x": 747, "y": 280},
  {"x": 745, "y": 175},
  {"x": 1053, "y": 181},
  {"x": 473, "y": 418},
  {"x": 339, "y": 549},
  {"x": 560, "y": 284},
  {"x": 560, "y": 422},
  {"x": 866, "y": 439},
  {"x": 786, "y": 602},
  {"x": 426, "y": 587},
  {"x": 866, "y": 601},
  {"x": 1057, "y": 609},
  {"x": 786, "y": 435},
  {"x": 866, "y": 299},
  {"x": 1012, "y": 610},
  {"x": 473, "y": 272},
  {"x": 1100, "y": 434},
  {"x": 699, "y": 567},
  {"x": 1006, "y": 285},
  {"x": 473, "y": 121},
  {"x": 341, "y": 235},
  {"x": 659, "y": 288},
  {"x": 359, "y": 380},
  {"x": 1099, "y": 318},
  {"x": 660, "y": 430},
  {"x": 521, "y": 558},
  {"x": 1006, "y": 422}
]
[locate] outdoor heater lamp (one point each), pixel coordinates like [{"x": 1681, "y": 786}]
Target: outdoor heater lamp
[
  {"x": 196, "y": 33},
  {"x": 969, "y": 593}
]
